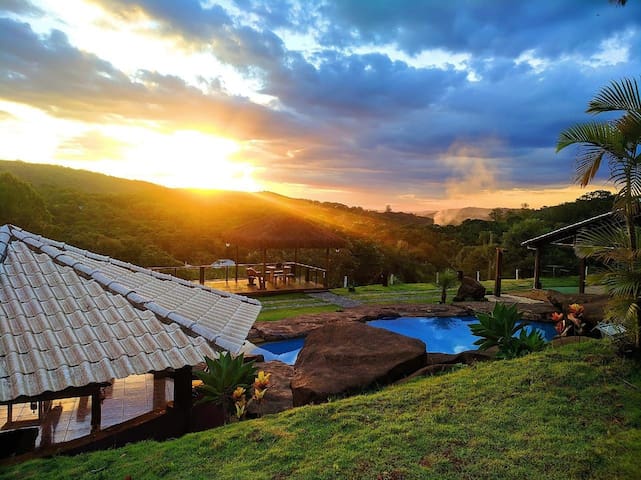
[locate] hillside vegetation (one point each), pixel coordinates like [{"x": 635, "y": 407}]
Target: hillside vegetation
[
  {"x": 152, "y": 225},
  {"x": 571, "y": 412}
]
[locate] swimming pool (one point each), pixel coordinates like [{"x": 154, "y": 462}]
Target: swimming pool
[{"x": 440, "y": 334}]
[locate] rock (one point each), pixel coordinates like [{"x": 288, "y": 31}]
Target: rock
[
  {"x": 279, "y": 394},
  {"x": 594, "y": 305},
  {"x": 470, "y": 289},
  {"x": 444, "y": 362},
  {"x": 344, "y": 358}
]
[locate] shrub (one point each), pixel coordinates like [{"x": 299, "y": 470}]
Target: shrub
[
  {"x": 223, "y": 377},
  {"x": 500, "y": 328}
]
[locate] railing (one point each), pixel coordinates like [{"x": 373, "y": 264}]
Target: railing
[{"x": 298, "y": 272}]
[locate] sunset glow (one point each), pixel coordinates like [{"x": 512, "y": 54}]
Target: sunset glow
[{"x": 393, "y": 106}]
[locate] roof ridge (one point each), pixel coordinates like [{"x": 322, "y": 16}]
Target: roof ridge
[{"x": 5, "y": 238}]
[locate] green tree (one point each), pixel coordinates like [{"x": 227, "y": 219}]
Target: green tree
[{"x": 21, "y": 205}]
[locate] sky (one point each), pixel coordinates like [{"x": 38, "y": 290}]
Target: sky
[{"x": 416, "y": 105}]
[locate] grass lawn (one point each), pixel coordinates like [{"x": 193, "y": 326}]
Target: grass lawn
[
  {"x": 431, "y": 292},
  {"x": 277, "y": 307},
  {"x": 570, "y": 412}
]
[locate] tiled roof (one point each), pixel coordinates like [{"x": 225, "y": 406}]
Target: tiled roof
[{"x": 70, "y": 317}]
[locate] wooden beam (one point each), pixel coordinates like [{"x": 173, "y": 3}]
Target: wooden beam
[{"x": 70, "y": 392}]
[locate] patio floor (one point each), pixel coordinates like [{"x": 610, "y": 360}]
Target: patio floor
[
  {"x": 241, "y": 287},
  {"x": 70, "y": 418}
]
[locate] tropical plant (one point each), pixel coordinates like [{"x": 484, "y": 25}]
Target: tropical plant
[
  {"x": 621, "y": 273},
  {"x": 224, "y": 375},
  {"x": 619, "y": 142},
  {"x": 500, "y": 328},
  {"x": 447, "y": 280},
  {"x": 573, "y": 324}
]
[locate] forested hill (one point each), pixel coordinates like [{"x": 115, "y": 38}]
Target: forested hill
[{"x": 151, "y": 225}]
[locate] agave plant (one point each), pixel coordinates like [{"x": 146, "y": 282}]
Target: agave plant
[
  {"x": 222, "y": 377},
  {"x": 500, "y": 329}
]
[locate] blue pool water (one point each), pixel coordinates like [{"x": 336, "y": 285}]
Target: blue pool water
[{"x": 440, "y": 334}]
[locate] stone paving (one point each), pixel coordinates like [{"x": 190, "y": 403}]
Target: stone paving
[{"x": 329, "y": 297}]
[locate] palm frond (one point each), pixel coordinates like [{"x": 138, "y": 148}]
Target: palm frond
[
  {"x": 619, "y": 95},
  {"x": 622, "y": 283},
  {"x": 607, "y": 243},
  {"x": 599, "y": 134}
]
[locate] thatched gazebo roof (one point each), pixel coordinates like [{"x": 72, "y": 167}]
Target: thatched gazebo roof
[{"x": 283, "y": 231}]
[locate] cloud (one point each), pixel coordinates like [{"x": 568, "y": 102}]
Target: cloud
[
  {"x": 496, "y": 29},
  {"x": 6, "y": 116},
  {"x": 91, "y": 146},
  {"x": 351, "y": 99},
  {"x": 20, "y": 7},
  {"x": 49, "y": 73}
]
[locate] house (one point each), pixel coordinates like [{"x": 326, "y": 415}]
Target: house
[{"x": 72, "y": 321}]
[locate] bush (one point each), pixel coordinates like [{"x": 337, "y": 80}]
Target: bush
[{"x": 500, "y": 328}]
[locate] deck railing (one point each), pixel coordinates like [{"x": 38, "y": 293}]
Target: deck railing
[{"x": 297, "y": 273}]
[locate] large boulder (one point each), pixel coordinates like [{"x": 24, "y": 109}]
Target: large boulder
[
  {"x": 470, "y": 290},
  {"x": 344, "y": 358}
]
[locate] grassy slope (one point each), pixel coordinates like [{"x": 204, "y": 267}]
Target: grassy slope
[{"x": 566, "y": 413}]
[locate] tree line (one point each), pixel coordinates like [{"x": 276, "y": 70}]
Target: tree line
[{"x": 155, "y": 226}]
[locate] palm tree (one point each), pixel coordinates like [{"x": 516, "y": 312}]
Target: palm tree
[{"x": 617, "y": 142}]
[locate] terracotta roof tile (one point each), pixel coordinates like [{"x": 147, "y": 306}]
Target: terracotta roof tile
[{"x": 69, "y": 317}]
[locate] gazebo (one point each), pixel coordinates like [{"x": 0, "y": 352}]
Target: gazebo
[
  {"x": 566, "y": 237},
  {"x": 284, "y": 232},
  {"x": 73, "y": 321}
]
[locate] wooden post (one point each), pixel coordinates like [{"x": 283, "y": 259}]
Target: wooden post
[
  {"x": 582, "y": 275},
  {"x": 236, "y": 263},
  {"x": 202, "y": 275},
  {"x": 159, "y": 399},
  {"x": 537, "y": 268},
  {"x": 499, "y": 272},
  {"x": 264, "y": 285},
  {"x": 182, "y": 395},
  {"x": 96, "y": 411},
  {"x": 326, "y": 279}
]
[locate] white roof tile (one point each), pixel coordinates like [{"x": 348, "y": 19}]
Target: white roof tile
[{"x": 69, "y": 317}]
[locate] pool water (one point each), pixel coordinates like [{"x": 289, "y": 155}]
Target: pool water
[{"x": 440, "y": 334}]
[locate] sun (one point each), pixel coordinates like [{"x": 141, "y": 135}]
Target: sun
[{"x": 190, "y": 159}]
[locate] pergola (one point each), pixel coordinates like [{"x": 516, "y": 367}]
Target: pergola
[
  {"x": 284, "y": 232},
  {"x": 565, "y": 237}
]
